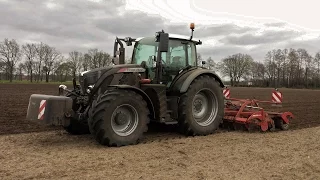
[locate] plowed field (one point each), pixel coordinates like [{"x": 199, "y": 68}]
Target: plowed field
[
  {"x": 31, "y": 151},
  {"x": 305, "y": 104}
]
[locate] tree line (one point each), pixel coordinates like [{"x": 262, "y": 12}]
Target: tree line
[
  {"x": 43, "y": 62},
  {"x": 292, "y": 68}
]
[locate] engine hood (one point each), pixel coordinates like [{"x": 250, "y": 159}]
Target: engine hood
[
  {"x": 89, "y": 78},
  {"x": 104, "y": 69}
]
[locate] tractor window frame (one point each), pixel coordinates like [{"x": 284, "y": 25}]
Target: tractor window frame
[
  {"x": 144, "y": 42},
  {"x": 189, "y": 54}
]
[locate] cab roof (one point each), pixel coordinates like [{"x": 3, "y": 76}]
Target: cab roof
[{"x": 176, "y": 36}]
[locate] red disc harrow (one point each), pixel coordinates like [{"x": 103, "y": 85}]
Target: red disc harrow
[{"x": 248, "y": 114}]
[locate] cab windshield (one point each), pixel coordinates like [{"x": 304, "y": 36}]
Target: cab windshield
[{"x": 180, "y": 54}]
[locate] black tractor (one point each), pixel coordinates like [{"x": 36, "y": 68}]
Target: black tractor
[{"x": 163, "y": 83}]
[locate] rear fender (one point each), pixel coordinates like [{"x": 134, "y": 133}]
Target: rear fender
[
  {"x": 50, "y": 110},
  {"x": 182, "y": 84},
  {"x": 141, "y": 92}
]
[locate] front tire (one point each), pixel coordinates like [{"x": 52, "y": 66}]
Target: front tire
[
  {"x": 201, "y": 108},
  {"x": 119, "y": 118}
]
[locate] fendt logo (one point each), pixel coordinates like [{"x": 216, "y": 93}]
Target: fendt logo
[{"x": 132, "y": 70}]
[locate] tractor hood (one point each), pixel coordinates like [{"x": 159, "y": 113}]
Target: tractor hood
[{"x": 89, "y": 78}]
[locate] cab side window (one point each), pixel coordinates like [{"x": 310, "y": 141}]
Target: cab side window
[{"x": 177, "y": 54}]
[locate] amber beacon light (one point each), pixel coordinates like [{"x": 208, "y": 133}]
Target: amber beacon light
[{"x": 192, "y": 26}]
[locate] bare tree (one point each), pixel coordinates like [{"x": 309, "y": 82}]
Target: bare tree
[
  {"x": 76, "y": 58},
  {"x": 63, "y": 71},
  {"x": 317, "y": 63},
  {"x": 236, "y": 67},
  {"x": 86, "y": 62},
  {"x": 51, "y": 55},
  {"x": 284, "y": 68},
  {"x": 40, "y": 55},
  {"x": 21, "y": 68},
  {"x": 302, "y": 56},
  {"x": 29, "y": 51},
  {"x": 292, "y": 67},
  {"x": 104, "y": 59},
  {"x": 2, "y": 68},
  {"x": 98, "y": 58},
  {"x": 93, "y": 54},
  {"x": 257, "y": 72},
  {"x": 210, "y": 63},
  {"x": 308, "y": 69},
  {"x": 11, "y": 55},
  {"x": 199, "y": 59},
  {"x": 271, "y": 66}
]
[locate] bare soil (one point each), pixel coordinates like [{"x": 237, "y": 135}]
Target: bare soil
[
  {"x": 304, "y": 104},
  {"x": 14, "y": 99},
  {"x": 226, "y": 155},
  {"x": 31, "y": 151}
]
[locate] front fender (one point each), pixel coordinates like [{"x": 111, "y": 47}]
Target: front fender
[{"x": 141, "y": 92}]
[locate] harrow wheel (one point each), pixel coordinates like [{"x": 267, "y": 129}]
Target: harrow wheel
[
  {"x": 279, "y": 123},
  {"x": 251, "y": 127},
  {"x": 272, "y": 127},
  {"x": 239, "y": 127}
]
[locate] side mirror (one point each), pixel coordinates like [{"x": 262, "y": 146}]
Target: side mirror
[
  {"x": 154, "y": 59},
  {"x": 163, "y": 39}
]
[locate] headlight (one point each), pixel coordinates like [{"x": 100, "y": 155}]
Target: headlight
[
  {"x": 81, "y": 74},
  {"x": 62, "y": 86},
  {"x": 90, "y": 89}
]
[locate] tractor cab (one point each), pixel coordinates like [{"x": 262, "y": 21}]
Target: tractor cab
[
  {"x": 181, "y": 53},
  {"x": 163, "y": 56}
]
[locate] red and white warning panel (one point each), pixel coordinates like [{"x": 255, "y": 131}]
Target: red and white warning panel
[
  {"x": 276, "y": 96},
  {"x": 42, "y": 108},
  {"x": 226, "y": 93}
]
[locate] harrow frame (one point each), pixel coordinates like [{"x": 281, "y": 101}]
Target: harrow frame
[{"x": 248, "y": 114}]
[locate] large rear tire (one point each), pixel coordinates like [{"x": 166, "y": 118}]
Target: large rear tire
[
  {"x": 201, "y": 108},
  {"x": 75, "y": 127},
  {"x": 119, "y": 118}
]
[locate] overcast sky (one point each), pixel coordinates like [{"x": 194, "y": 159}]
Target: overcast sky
[{"x": 226, "y": 27}]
